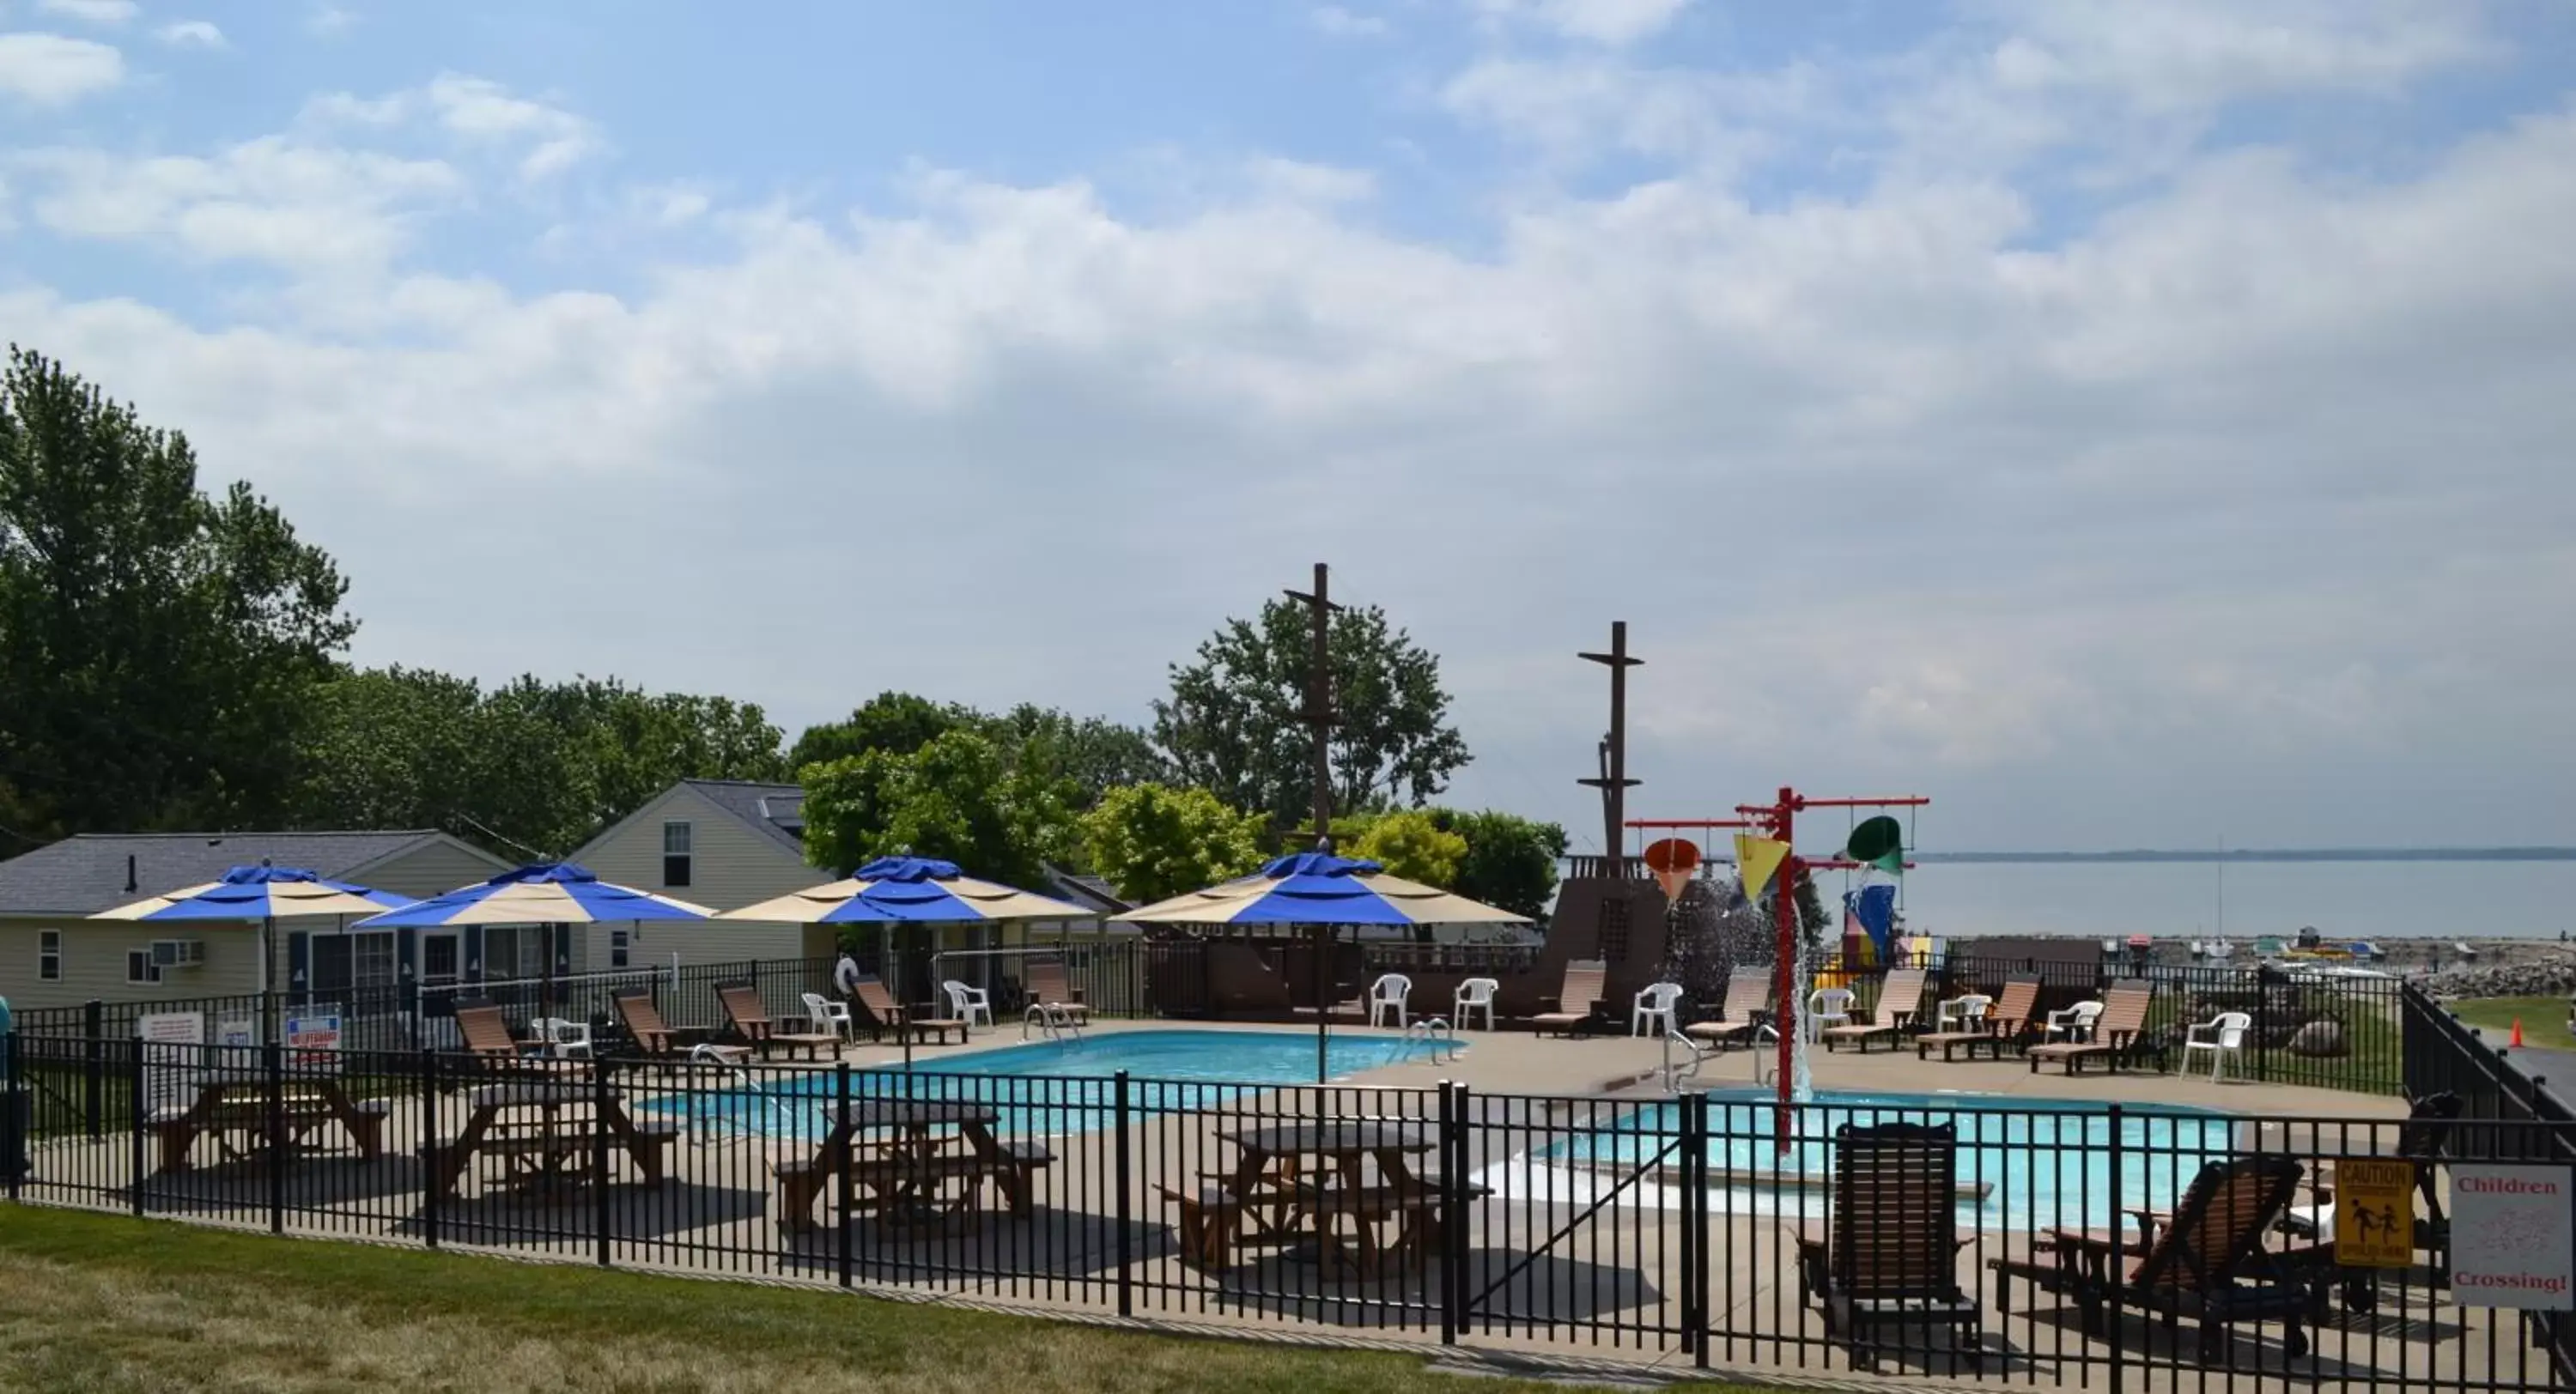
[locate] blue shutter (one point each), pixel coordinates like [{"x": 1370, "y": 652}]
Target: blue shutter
[{"x": 474, "y": 953}]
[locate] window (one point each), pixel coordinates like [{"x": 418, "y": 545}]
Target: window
[
  {"x": 619, "y": 940},
  {"x": 1614, "y": 929},
  {"x": 514, "y": 951},
  {"x": 49, "y": 954},
  {"x": 344, "y": 961},
  {"x": 675, "y": 854},
  {"x": 139, "y": 968},
  {"x": 439, "y": 958}
]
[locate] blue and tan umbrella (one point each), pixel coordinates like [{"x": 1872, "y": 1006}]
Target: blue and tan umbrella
[
  {"x": 1323, "y": 890},
  {"x": 260, "y": 895},
  {"x": 543, "y": 893}
]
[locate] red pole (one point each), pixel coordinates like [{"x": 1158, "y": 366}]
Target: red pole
[{"x": 1784, "y": 984}]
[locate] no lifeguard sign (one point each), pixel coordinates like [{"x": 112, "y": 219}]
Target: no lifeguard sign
[
  {"x": 2374, "y": 1213},
  {"x": 2510, "y": 1238}
]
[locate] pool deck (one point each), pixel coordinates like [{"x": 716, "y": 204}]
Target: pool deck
[{"x": 1610, "y": 1273}]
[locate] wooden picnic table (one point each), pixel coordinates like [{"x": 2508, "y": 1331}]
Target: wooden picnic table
[
  {"x": 1296, "y": 1181},
  {"x": 234, "y": 1104},
  {"x": 545, "y": 1130},
  {"x": 914, "y": 1175}
]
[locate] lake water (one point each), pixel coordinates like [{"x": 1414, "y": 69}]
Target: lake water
[{"x": 2348, "y": 900}]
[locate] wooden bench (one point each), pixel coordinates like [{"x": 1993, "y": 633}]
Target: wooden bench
[
  {"x": 1211, "y": 1224},
  {"x": 299, "y": 1113},
  {"x": 879, "y": 1179}
]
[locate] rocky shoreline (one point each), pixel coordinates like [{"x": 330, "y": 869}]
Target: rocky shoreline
[{"x": 2502, "y": 968}]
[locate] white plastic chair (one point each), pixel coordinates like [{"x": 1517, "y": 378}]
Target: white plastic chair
[
  {"x": 1652, "y": 1013},
  {"x": 1389, "y": 994},
  {"x": 824, "y": 1014},
  {"x": 1474, "y": 995},
  {"x": 1827, "y": 1006},
  {"x": 971, "y": 1004},
  {"x": 563, "y": 1039},
  {"x": 2222, "y": 1036},
  {"x": 1962, "y": 1013},
  {"x": 2072, "y": 1023}
]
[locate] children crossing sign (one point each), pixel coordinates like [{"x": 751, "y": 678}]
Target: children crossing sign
[
  {"x": 2374, "y": 1211},
  {"x": 2510, "y": 1238}
]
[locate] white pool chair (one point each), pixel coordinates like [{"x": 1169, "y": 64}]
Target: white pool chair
[
  {"x": 1474, "y": 995},
  {"x": 1387, "y": 997},
  {"x": 2222, "y": 1036},
  {"x": 1652, "y": 1014},
  {"x": 1827, "y": 1006},
  {"x": 2071, "y": 1023},
  {"x": 970, "y": 1004},
  {"x": 824, "y": 1014}
]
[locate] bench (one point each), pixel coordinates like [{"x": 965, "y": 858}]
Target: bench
[
  {"x": 298, "y": 1113},
  {"x": 1211, "y": 1221},
  {"x": 878, "y": 1178}
]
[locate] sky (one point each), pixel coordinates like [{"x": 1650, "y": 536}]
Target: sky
[{"x": 2129, "y": 425}]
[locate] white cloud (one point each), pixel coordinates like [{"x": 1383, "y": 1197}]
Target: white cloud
[
  {"x": 1346, "y": 24},
  {"x": 49, "y": 69},
  {"x": 273, "y": 200},
  {"x": 107, "y": 12},
  {"x": 1611, "y": 22},
  {"x": 2197, "y": 54},
  {"x": 190, "y": 33},
  {"x": 545, "y": 140}
]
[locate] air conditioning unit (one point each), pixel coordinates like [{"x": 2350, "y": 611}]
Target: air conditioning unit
[{"x": 178, "y": 953}]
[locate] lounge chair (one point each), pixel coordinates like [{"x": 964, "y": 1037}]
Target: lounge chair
[
  {"x": 1748, "y": 1005},
  {"x": 2208, "y": 1263},
  {"x": 2115, "y": 1032},
  {"x": 1898, "y": 999},
  {"x": 881, "y": 1008},
  {"x": 486, "y": 1032},
  {"x": 1577, "y": 1001},
  {"x": 751, "y": 1021},
  {"x": 2003, "y": 1024},
  {"x": 1889, "y": 1252},
  {"x": 1047, "y": 989},
  {"x": 654, "y": 1037}
]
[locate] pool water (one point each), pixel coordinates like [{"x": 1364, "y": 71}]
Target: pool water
[
  {"x": 2045, "y": 1161},
  {"x": 1049, "y": 1089}
]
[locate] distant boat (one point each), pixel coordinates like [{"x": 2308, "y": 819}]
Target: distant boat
[
  {"x": 2220, "y": 948},
  {"x": 2463, "y": 950},
  {"x": 2199, "y": 949},
  {"x": 2363, "y": 948},
  {"x": 2269, "y": 946}
]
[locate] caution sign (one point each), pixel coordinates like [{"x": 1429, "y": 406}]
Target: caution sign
[{"x": 2374, "y": 1212}]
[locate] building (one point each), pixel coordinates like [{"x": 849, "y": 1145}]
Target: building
[{"x": 52, "y": 955}]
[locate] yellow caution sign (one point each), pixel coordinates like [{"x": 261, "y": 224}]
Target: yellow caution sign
[{"x": 2374, "y": 1209}]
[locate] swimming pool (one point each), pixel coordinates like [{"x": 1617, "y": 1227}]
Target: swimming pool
[
  {"x": 2036, "y": 1162},
  {"x": 1048, "y": 1088}
]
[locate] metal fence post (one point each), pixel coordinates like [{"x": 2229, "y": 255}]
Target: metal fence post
[
  {"x": 16, "y": 1115},
  {"x": 429, "y": 1157},
  {"x": 599, "y": 1149},
  {"x": 1125, "y": 1241},
  {"x": 1454, "y": 1219},
  {"x": 1453, "y": 1189},
  {"x": 134, "y": 1121},
  {"x": 94, "y": 1077},
  {"x": 1695, "y": 1224},
  {"x": 841, "y": 1171},
  {"x": 273, "y": 1063},
  {"x": 2119, "y": 1261}
]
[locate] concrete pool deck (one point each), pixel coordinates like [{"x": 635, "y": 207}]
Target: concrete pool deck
[{"x": 1553, "y": 1274}]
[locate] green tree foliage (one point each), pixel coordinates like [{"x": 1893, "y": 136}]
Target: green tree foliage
[
  {"x": 156, "y": 645},
  {"x": 1412, "y": 844},
  {"x": 896, "y": 722},
  {"x": 1092, "y": 754},
  {"x": 1510, "y": 861},
  {"x": 1231, "y": 724},
  {"x": 954, "y": 798},
  {"x": 528, "y": 766},
  {"x": 1152, "y": 841}
]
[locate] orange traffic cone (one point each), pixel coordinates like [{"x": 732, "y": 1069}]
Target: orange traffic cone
[{"x": 2517, "y": 1031}]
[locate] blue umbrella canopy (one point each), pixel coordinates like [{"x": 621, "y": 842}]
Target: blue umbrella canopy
[
  {"x": 1319, "y": 888},
  {"x": 908, "y": 890},
  {"x": 543, "y": 893},
  {"x": 263, "y": 892}
]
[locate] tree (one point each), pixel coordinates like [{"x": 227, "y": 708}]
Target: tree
[
  {"x": 952, "y": 799},
  {"x": 1510, "y": 861},
  {"x": 1232, "y": 723},
  {"x": 156, "y": 645},
  {"x": 896, "y": 722},
  {"x": 1091, "y": 753},
  {"x": 1152, "y": 841},
  {"x": 1412, "y": 844}
]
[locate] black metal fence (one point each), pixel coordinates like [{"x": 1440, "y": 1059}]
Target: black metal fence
[{"x": 2113, "y": 1245}]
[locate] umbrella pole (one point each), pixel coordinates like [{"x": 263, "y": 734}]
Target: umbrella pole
[
  {"x": 896, "y": 986},
  {"x": 1323, "y": 1009},
  {"x": 267, "y": 978}
]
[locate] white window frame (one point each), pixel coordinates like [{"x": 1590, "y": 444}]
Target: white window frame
[
  {"x": 142, "y": 959},
  {"x": 377, "y": 945},
  {"x": 456, "y": 951},
  {"x": 49, "y": 955},
  {"x": 685, "y": 853}
]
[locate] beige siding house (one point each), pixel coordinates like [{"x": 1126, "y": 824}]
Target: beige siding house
[
  {"x": 51, "y": 955},
  {"x": 722, "y": 844}
]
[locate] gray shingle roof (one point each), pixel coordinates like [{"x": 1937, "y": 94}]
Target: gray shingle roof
[
  {"x": 86, "y": 874},
  {"x": 777, "y": 811}
]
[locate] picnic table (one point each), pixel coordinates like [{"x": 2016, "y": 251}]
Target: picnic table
[
  {"x": 906, "y": 1171},
  {"x": 1294, "y": 1183},
  {"x": 232, "y": 1107},
  {"x": 545, "y": 1130}
]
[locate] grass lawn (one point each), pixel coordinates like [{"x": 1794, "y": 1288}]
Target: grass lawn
[
  {"x": 2544, "y": 1019},
  {"x": 96, "y": 1302}
]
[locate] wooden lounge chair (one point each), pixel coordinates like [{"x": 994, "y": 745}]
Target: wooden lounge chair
[
  {"x": 2006, "y": 1023},
  {"x": 654, "y": 1037},
  {"x": 751, "y": 1021},
  {"x": 1048, "y": 989},
  {"x": 2209, "y": 1263},
  {"x": 1898, "y": 999},
  {"x": 485, "y": 1032},
  {"x": 1577, "y": 1001},
  {"x": 2124, "y": 1015},
  {"x": 888, "y": 1016},
  {"x": 1888, "y": 1254},
  {"x": 1748, "y": 1005}
]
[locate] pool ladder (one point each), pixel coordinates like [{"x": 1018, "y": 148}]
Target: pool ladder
[
  {"x": 1051, "y": 1021},
  {"x": 1433, "y": 1033},
  {"x": 709, "y": 1055},
  {"x": 1676, "y": 1074}
]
